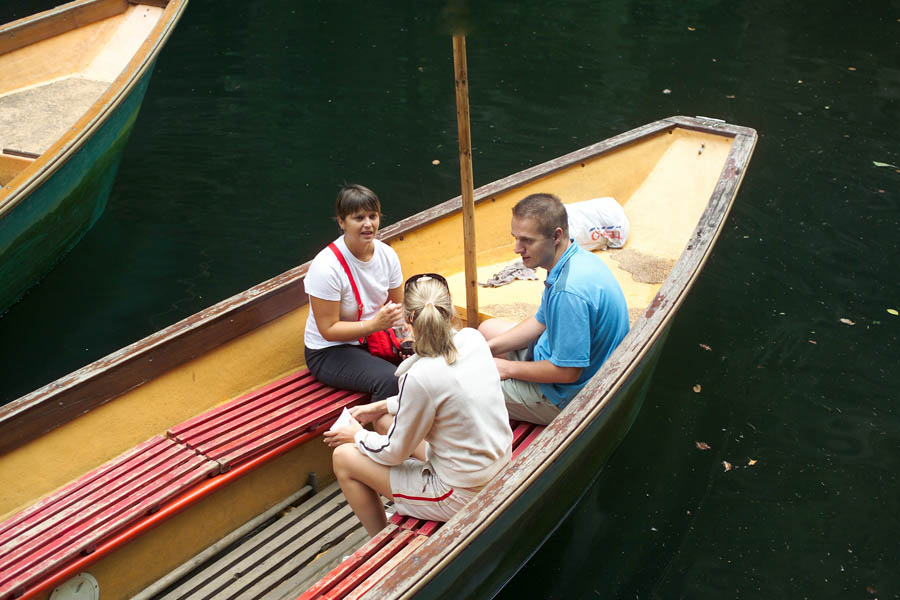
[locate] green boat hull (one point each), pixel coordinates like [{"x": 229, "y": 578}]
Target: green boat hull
[
  {"x": 506, "y": 545},
  {"x": 44, "y": 226}
]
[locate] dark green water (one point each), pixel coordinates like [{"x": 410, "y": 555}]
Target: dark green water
[{"x": 258, "y": 110}]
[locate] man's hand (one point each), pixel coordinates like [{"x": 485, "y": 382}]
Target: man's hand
[{"x": 502, "y": 367}]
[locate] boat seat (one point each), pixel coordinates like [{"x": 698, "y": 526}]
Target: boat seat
[
  {"x": 380, "y": 555},
  {"x": 268, "y": 417},
  {"x": 72, "y": 521},
  {"x": 123, "y": 493}
]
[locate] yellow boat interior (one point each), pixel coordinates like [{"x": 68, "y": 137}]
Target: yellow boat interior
[
  {"x": 664, "y": 182},
  {"x": 57, "y": 65}
]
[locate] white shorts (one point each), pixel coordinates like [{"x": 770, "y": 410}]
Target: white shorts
[{"x": 419, "y": 493}]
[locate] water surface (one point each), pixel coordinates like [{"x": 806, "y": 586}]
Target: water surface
[{"x": 257, "y": 111}]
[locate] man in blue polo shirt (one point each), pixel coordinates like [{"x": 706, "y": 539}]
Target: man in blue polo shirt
[{"x": 582, "y": 317}]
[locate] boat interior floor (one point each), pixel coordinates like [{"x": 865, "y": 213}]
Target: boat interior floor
[
  {"x": 32, "y": 119},
  {"x": 278, "y": 555}
]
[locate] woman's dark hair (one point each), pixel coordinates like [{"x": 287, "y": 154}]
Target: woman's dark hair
[{"x": 353, "y": 198}]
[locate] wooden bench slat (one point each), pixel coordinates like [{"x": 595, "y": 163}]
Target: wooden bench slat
[
  {"x": 236, "y": 413},
  {"x": 70, "y": 508},
  {"x": 350, "y": 564},
  {"x": 52, "y": 503},
  {"x": 535, "y": 431},
  {"x": 273, "y": 434},
  {"x": 408, "y": 548},
  {"x": 231, "y": 424},
  {"x": 370, "y": 566},
  {"x": 43, "y": 555},
  {"x": 248, "y": 428},
  {"x": 299, "y": 377}
]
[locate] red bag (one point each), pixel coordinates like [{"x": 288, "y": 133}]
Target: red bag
[{"x": 383, "y": 344}]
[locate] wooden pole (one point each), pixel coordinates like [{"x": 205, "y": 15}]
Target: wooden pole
[{"x": 465, "y": 176}]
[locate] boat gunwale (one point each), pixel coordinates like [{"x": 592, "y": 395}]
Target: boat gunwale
[
  {"x": 72, "y": 395},
  {"x": 50, "y": 161},
  {"x": 595, "y": 398}
]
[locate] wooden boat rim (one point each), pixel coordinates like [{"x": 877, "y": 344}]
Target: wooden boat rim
[
  {"x": 13, "y": 435},
  {"x": 71, "y": 142}
]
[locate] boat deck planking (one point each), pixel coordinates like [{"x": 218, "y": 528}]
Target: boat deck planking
[
  {"x": 654, "y": 243},
  {"x": 49, "y": 85}
]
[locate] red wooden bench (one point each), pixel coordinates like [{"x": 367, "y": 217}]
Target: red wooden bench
[
  {"x": 292, "y": 407},
  {"x": 360, "y": 571},
  {"x": 40, "y": 539},
  {"x": 42, "y": 545}
]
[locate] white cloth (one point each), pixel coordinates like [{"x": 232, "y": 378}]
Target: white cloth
[
  {"x": 458, "y": 409},
  {"x": 327, "y": 280}
]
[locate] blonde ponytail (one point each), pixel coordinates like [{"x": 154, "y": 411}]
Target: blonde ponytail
[{"x": 430, "y": 310}]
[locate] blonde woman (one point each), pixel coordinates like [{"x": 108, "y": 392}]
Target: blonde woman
[{"x": 446, "y": 433}]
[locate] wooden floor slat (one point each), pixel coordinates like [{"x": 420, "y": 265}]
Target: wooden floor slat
[{"x": 299, "y": 546}]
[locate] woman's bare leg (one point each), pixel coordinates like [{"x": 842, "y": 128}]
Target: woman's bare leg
[{"x": 362, "y": 480}]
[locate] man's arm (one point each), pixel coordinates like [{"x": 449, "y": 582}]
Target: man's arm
[
  {"x": 542, "y": 371},
  {"x": 517, "y": 337}
]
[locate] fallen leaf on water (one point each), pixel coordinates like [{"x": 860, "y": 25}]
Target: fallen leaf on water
[
  {"x": 848, "y": 322},
  {"x": 884, "y": 164},
  {"x": 667, "y": 91},
  {"x": 813, "y": 342},
  {"x": 705, "y": 347},
  {"x": 727, "y": 465},
  {"x": 692, "y": 29},
  {"x": 851, "y": 68},
  {"x": 697, "y": 388},
  {"x": 752, "y": 462},
  {"x": 730, "y": 96},
  {"x": 702, "y": 446},
  {"x": 435, "y": 162},
  {"x": 893, "y": 311}
]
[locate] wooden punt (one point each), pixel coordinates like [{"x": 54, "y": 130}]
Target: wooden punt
[
  {"x": 72, "y": 82},
  {"x": 676, "y": 179}
]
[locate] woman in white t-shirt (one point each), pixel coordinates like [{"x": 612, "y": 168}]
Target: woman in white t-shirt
[
  {"x": 443, "y": 437},
  {"x": 334, "y": 354}
]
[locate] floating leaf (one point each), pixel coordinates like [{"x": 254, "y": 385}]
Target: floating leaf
[
  {"x": 848, "y": 322},
  {"x": 752, "y": 462},
  {"x": 893, "y": 311},
  {"x": 727, "y": 465},
  {"x": 435, "y": 162},
  {"x": 730, "y": 96},
  {"x": 705, "y": 347},
  {"x": 702, "y": 446},
  {"x": 851, "y": 68},
  {"x": 697, "y": 388},
  {"x": 883, "y": 164},
  {"x": 813, "y": 342},
  {"x": 667, "y": 91}
]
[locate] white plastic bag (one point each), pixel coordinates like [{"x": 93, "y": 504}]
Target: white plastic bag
[{"x": 598, "y": 223}]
